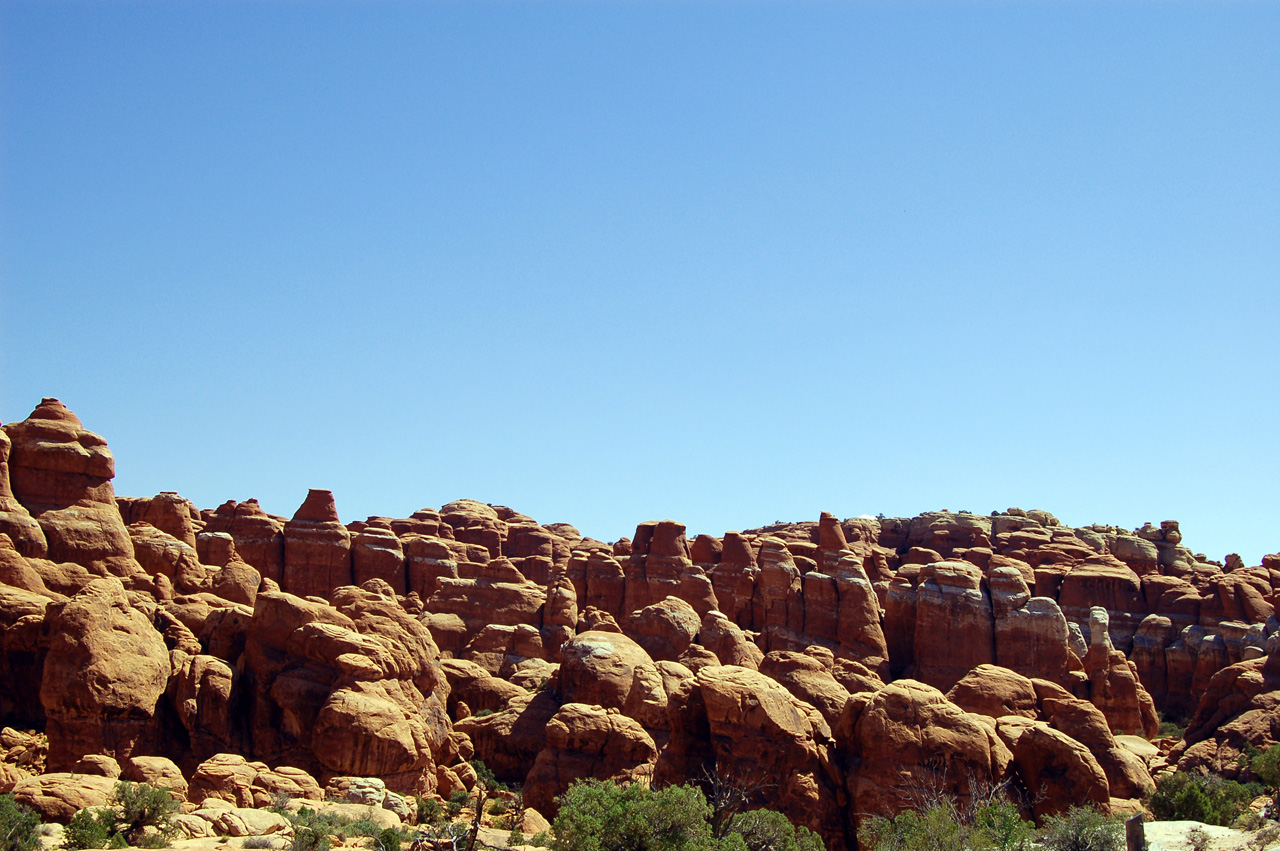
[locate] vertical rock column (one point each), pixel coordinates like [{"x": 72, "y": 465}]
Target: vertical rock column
[{"x": 317, "y": 548}]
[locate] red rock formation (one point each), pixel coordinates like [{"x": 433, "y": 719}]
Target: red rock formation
[
  {"x": 259, "y": 537},
  {"x": 588, "y": 742},
  {"x": 376, "y": 553},
  {"x": 61, "y": 472},
  {"x": 15, "y": 521},
  {"x": 955, "y": 627},
  {"x": 104, "y": 674},
  {"x": 317, "y": 548}
]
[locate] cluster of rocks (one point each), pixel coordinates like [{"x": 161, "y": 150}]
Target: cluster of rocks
[{"x": 839, "y": 668}]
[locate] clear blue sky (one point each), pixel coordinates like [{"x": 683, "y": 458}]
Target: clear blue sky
[{"x": 608, "y": 262}]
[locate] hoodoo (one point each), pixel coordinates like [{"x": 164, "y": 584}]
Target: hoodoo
[{"x": 843, "y": 665}]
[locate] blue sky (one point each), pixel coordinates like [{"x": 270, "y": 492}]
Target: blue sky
[{"x": 608, "y": 262}]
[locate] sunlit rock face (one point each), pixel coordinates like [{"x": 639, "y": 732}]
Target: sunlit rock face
[{"x": 842, "y": 664}]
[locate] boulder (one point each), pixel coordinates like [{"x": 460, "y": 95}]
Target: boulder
[
  {"x": 995, "y": 692},
  {"x": 907, "y": 739},
  {"x": 610, "y": 670},
  {"x": 1058, "y": 771},
  {"x": 760, "y": 733},
  {"x": 664, "y": 629},
  {"x": 105, "y": 671},
  {"x": 588, "y": 742},
  {"x": 60, "y": 795}
]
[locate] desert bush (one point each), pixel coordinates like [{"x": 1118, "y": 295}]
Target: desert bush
[
  {"x": 1266, "y": 765},
  {"x": 603, "y": 816},
  {"x": 1082, "y": 829},
  {"x": 19, "y": 826},
  {"x": 599, "y": 815},
  {"x": 515, "y": 837},
  {"x": 1205, "y": 798},
  {"x": 769, "y": 830},
  {"x": 142, "y": 806},
  {"x": 389, "y": 839},
  {"x": 1198, "y": 839},
  {"x": 258, "y": 842},
  {"x": 90, "y": 828},
  {"x": 498, "y": 807},
  {"x": 429, "y": 811},
  {"x": 457, "y": 800},
  {"x": 994, "y": 825},
  {"x": 541, "y": 839},
  {"x": 312, "y": 830}
]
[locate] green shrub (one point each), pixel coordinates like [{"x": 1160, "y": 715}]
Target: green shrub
[
  {"x": 152, "y": 840},
  {"x": 1266, "y": 765},
  {"x": 487, "y": 778},
  {"x": 90, "y": 828},
  {"x": 19, "y": 826},
  {"x": 309, "y": 834},
  {"x": 482, "y": 713},
  {"x": 1082, "y": 829},
  {"x": 541, "y": 839},
  {"x": 457, "y": 800},
  {"x": 994, "y": 825},
  {"x": 144, "y": 806},
  {"x": 429, "y": 811},
  {"x": 603, "y": 816},
  {"x": 515, "y": 837},
  {"x": 258, "y": 842},
  {"x": 1205, "y": 798},
  {"x": 388, "y": 839},
  {"x": 769, "y": 830},
  {"x": 999, "y": 823},
  {"x": 936, "y": 829},
  {"x": 498, "y": 806}
]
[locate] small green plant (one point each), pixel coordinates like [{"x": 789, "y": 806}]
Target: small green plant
[
  {"x": 1266, "y": 765},
  {"x": 142, "y": 806},
  {"x": 388, "y": 839},
  {"x": 498, "y": 806},
  {"x": 457, "y": 800},
  {"x": 1082, "y": 829},
  {"x": 1205, "y": 798},
  {"x": 482, "y": 713},
  {"x": 515, "y": 837},
  {"x": 152, "y": 840},
  {"x": 90, "y": 828},
  {"x": 990, "y": 825},
  {"x": 309, "y": 832},
  {"x": 1198, "y": 839},
  {"x": 19, "y": 826},
  {"x": 258, "y": 842},
  {"x": 487, "y": 778},
  {"x": 541, "y": 839},
  {"x": 769, "y": 830},
  {"x": 429, "y": 811},
  {"x": 312, "y": 830},
  {"x": 1249, "y": 821}
]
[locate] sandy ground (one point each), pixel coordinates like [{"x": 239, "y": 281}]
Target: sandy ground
[{"x": 1172, "y": 836}]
